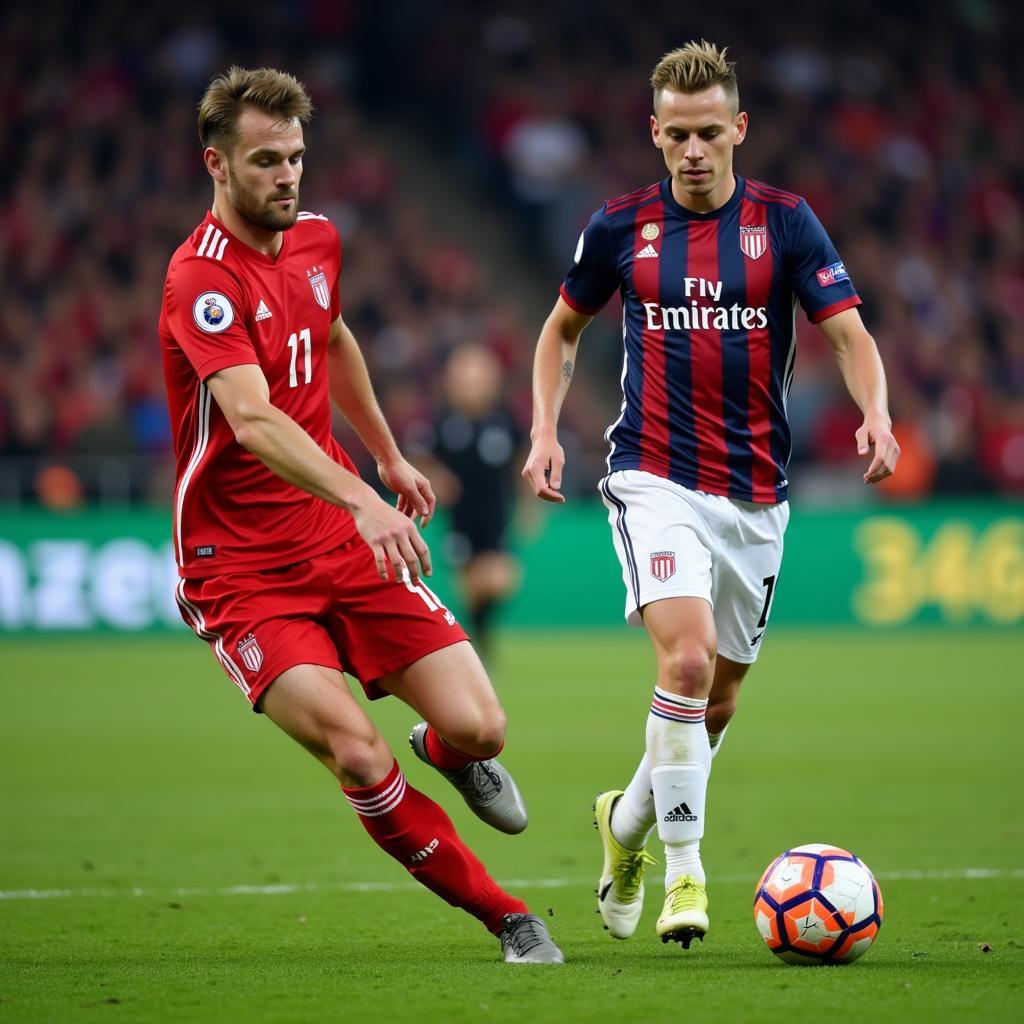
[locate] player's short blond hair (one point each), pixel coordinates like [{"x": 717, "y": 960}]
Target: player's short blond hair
[
  {"x": 274, "y": 92},
  {"x": 694, "y": 68}
]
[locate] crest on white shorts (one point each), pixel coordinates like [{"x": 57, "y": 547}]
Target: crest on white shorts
[
  {"x": 318, "y": 282},
  {"x": 251, "y": 652},
  {"x": 663, "y": 565},
  {"x": 753, "y": 240}
]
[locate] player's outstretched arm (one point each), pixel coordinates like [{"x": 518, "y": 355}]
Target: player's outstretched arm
[
  {"x": 862, "y": 370},
  {"x": 277, "y": 440},
  {"x": 553, "y": 366},
  {"x": 352, "y": 393}
]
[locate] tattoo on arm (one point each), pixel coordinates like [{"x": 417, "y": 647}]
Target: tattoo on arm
[{"x": 567, "y": 370}]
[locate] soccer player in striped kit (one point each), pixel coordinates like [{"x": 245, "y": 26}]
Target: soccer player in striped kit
[
  {"x": 292, "y": 568},
  {"x": 710, "y": 267}
]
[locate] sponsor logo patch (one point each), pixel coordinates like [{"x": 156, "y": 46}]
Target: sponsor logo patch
[
  {"x": 250, "y": 652},
  {"x": 205, "y": 551},
  {"x": 263, "y": 312},
  {"x": 212, "y": 312},
  {"x": 832, "y": 274},
  {"x": 648, "y": 252},
  {"x": 663, "y": 565}
]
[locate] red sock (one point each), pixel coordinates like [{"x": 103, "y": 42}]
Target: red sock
[
  {"x": 414, "y": 830},
  {"x": 446, "y": 757}
]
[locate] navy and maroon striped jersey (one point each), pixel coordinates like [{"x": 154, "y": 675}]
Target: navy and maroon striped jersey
[{"x": 709, "y": 305}]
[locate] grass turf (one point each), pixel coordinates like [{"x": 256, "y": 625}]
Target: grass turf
[{"x": 133, "y": 779}]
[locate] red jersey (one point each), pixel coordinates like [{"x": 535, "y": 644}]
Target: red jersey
[{"x": 226, "y": 304}]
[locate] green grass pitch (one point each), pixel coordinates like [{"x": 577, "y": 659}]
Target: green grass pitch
[{"x": 167, "y": 856}]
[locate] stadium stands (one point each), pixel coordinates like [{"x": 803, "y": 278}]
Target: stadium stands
[{"x": 904, "y": 133}]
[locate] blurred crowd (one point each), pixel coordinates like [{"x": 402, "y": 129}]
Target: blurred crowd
[
  {"x": 108, "y": 182},
  {"x": 902, "y": 125},
  {"x": 903, "y": 129}
]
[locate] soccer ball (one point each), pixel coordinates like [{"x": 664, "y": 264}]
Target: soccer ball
[{"x": 818, "y": 905}]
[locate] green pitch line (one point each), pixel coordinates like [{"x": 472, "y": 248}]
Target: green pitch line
[{"x": 242, "y": 888}]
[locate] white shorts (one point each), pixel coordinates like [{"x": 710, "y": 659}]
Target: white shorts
[{"x": 674, "y": 542}]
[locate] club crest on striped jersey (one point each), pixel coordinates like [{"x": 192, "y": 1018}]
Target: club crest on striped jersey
[
  {"x": 318, "y": 282},
  {"x": 754, "y": 240},
  {"x": 250, "y": 652},
  {"x": 663, "y": 565},
  {"x": 649, "y": 232},
  {"x": 213, "y": 312}
]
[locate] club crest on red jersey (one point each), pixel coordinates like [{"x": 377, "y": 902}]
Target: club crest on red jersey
[
  {"x": 663, "y": 565},
  {"x": 318, "y": 282},
  {"x": 754, "y": 240},
  {"x": 251, "y": 653}
]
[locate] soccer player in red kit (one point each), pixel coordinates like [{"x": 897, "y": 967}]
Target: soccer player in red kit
[
  {"x": 710, "y": 267},
  {"x": 291, "y": 567}
]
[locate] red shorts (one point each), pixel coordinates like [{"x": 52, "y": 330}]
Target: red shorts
[{"x": 331, "y": 610}]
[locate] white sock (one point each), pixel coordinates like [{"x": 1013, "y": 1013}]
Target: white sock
[
  {"x": 715, "y": 740},
  {"x": 680, "y": 757},
  {"x": 634, "y": 816},
  {"x": 683, "y": 859}
]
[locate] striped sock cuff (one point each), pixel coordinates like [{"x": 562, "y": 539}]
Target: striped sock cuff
[
  {"x": 379, "y": 799},
  {"x": 674, "y": 708}
]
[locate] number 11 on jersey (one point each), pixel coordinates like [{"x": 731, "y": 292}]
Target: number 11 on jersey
[{"x": 293, "y": 344}]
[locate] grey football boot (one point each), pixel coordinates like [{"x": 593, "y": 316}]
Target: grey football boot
[
  {"x": 525, "y": 940},
  {"x": 486, "y": 786}
]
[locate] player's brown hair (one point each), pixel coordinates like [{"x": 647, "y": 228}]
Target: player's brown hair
[
  {"x": 694, "y": 68},
  {"x": 273, "y": 92}
]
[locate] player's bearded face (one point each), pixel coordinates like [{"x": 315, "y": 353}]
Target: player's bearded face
[
  {"x": 261, "y": 200},
  {"x": 263, "y": 169}
]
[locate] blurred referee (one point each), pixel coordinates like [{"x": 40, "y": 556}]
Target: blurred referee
[{"x": 472, "y": 451}]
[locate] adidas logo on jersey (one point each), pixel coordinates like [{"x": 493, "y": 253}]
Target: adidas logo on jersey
[
  {"x": 262, "y": 312},
  {"x": 648, "y": 252},
  {"x": 680, "y": 813}
]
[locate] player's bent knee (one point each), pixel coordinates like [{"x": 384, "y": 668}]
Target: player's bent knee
[
  {"x": 688, "y": 667},
  {"x": 360, "y": 761}
]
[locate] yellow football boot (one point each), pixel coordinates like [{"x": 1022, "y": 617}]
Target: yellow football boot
[
  {"x": 685, "y": 914},
  {"x": 620, "y": 891}
]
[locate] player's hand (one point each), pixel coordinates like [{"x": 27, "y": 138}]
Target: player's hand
[
  {"x": 877, "y": 432},
  {"x": 543, "y": 469},
  {"x": 415, "y": 495},
  {"x": 393, "y": 538}
]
